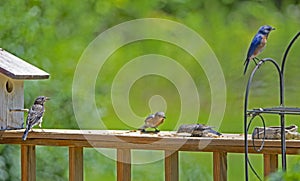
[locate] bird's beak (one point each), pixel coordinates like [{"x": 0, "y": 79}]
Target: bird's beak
[
  {"x": 273, "y": 28},
  {"x": 47, "y": 98}
]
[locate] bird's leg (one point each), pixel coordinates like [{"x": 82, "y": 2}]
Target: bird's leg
[
  {"x": 143, "y": 131},
  {"x": 255, "y": 59},
  {"x": 40, "y": 126}
]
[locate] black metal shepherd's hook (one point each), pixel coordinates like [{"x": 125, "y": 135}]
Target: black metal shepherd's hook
[
  {"x": 246, "y": 114},
  {"x": 280, "y": 110}
]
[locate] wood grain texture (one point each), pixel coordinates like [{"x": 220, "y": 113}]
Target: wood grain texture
[
  {"x": 124, "y": 141},
  {"x": 28, "y": 163},
  {"x": 3, "y": 102},
  {"x": 171, "y": 166},
  {"x": 270, "y": 164},
  {"x": 123, "y": 165},
  {"x": 220, "y": 166},
  {"x": 165, "y": 140},
  {"x": 75, "y": 163},
  {"x": 16, "y": 68},
  {"x": 11, "y": 99}
]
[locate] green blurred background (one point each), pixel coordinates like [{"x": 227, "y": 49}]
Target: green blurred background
[{"x": 53, "y": 34}]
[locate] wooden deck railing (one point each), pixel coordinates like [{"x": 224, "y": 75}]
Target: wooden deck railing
[{"x": 125, "y": 141}]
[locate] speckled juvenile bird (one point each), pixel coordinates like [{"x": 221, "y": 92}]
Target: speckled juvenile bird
[
  {"x": 35, "y": 115},
  {"x": 258, "y": 44},
  {"x": 153, "y": 121}
]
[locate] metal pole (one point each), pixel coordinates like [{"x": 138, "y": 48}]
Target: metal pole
[{"x": 282, "y": 116}]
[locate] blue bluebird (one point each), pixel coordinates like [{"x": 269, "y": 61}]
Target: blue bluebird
[{"x": 258, "y": 44}]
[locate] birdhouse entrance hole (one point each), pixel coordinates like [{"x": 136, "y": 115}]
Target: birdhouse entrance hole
[{"x": 9, "y": 86}]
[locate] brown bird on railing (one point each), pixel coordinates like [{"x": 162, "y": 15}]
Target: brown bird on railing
[
  {"x": 35, "y": 115},
  {"x": 153, "y": 121}
]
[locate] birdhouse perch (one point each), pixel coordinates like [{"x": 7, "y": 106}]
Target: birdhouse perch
[{"x": 13, "y": 72}]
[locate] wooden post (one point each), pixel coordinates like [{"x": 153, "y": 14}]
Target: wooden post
[
  {"x": 220, "y": 166},
  {"x": 28, "y": 163},
  {"x": 123, "y": 165},
  {"x": 75, "y": 163},
  {"x": 171, "y": 165},
  {"x": 270, "y": 163}
]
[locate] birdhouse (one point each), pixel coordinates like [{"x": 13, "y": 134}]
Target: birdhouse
[{"x": 13, "y": 72}]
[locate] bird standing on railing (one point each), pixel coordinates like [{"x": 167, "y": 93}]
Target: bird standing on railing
[
  {"x": 35, "y": 115},
  {"x": 153, "y": 121},
  {"x": 258, "y": 44}
]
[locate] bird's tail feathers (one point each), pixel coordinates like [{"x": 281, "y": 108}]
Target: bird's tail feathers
[
  {"x": 246, "y": 63},
  {"x": 143, "y": 127},
  {"x": 247, "y": 60},
  {"x": 25, "y": 134},
  {"x": 214, "y": 132}
]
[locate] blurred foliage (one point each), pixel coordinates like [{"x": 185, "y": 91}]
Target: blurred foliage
[
  {"x": 293, "y": 174},
  {"x": 53, "y": 34}
]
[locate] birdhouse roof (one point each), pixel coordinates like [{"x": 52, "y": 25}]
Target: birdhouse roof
[{"x": 16, "y": 68}]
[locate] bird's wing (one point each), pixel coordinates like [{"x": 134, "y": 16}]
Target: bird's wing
[
  {"x": 253, "y": 51},
  {"x": 256, "y": 42},
  {"x": 149, "y": 118},
  {"x": 35, "y": 114},
  {"x": 202, "y": 127}
]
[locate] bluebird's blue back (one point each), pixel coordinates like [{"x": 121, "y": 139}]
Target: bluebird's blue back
[{"x": 258, "y": 44}]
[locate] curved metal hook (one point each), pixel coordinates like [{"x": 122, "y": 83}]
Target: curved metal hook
[
  {"x": 287, "y": 51},
  {"x": 264, "y": 134},
  {"x": 260, "y": 63},
  {"x": 246, "y": 104}
]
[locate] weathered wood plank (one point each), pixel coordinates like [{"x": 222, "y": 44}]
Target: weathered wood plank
[
  {"x": 270, "y": 164},
  {"x": 75, "y": 163},
  {"x": 15, "y": 99},
  {"x": 28, "y": 163},
  {"x": 122, "y": 145},
  {"x": 124, "y": 141},
  {"x": 127, "y": 140},
  {"x": 171, "y": 166},
  {"x": 3, "y": 103},
  {"x": 11, "y": 96},
  {"x": 123, "y": 165},
  {"x": 220, "y": 166},
  {"x": 16, "y": 68}
]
